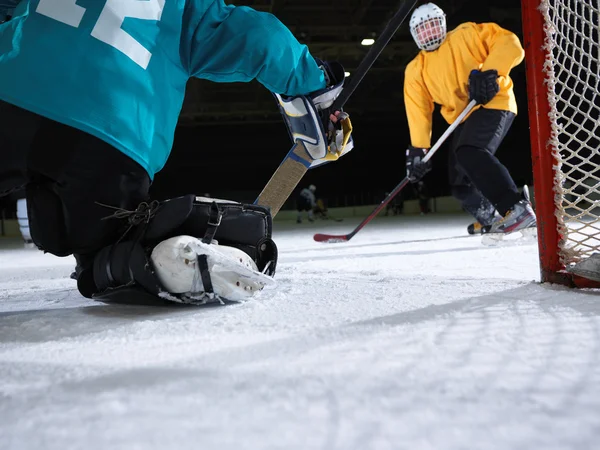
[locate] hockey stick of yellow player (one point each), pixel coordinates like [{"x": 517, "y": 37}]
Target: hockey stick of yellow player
[
  {"x": 296, "y": 163},
  {"x": 330, "y": 238}
]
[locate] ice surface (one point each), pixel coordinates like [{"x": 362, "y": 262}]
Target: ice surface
[{"x": 410, "y": 336}]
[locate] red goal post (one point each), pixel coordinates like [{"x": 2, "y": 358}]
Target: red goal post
[{"x": 561, "y": 55}]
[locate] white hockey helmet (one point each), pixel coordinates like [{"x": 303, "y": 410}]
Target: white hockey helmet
[
  {"x": 312, "y": 188},
  {"x": 428, "y": 26}
]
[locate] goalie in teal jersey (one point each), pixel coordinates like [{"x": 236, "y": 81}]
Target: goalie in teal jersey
[{"x": 90, "y": 95}]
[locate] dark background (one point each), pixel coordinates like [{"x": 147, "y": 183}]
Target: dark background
[{"x": 231, "y": 137}]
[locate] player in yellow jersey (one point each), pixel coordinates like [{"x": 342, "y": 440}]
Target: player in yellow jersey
[{"x": 471, "y": 62}]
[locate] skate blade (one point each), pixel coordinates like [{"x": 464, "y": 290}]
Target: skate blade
[{"x": 520, "y": 237}]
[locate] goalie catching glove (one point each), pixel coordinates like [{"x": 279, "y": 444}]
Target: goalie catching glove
[{"x": 309, "y": 118}]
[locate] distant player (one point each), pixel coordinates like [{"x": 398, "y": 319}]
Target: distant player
[
  {"x": 320, "y": 210},
  {"x": 90, "y": 95},
  {"x": 396, "y": 205},
  {"x": 306, "y": 201},
  {"x": 473, "y": 61}
]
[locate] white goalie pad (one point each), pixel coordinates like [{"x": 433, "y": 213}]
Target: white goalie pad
[{"x": 233, "y": 274}]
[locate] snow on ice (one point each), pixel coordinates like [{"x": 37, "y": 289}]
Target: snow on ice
[{"x": 410, "y": 336}]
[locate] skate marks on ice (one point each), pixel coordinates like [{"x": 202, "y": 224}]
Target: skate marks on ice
[
  {"x": 527, "y": 236},
  {"x": 47, "y": 309},
  {"x": 324, "y": 246},
  {"x": 399, "y": 252},
  {"x": 30, "y": 279},
  {"x": 87, "y": 317},
  {"x": 404, "y": 248},
  {"x": 39, "y": 290},
  {"x": 514, "y": 369},
  {"x": 517, "y": 368},
  {"x": 390, "y": 354}
]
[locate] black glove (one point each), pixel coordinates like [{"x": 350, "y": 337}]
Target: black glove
[
  {"x": 483, "y": 86},
  {"x": 415, "y": 168}
]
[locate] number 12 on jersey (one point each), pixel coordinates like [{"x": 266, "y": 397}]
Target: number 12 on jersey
[{"x": 108, "y": 26}]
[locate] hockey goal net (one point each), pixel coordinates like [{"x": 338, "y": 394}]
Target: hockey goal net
[{"x": 562, "y": 44}]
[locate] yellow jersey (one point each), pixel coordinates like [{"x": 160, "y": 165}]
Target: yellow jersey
[{"x": 442, "y": 76}]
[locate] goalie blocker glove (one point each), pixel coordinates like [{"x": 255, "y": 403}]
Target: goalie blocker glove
[
  {"x": 307, "y": 118},
  {"x": 415, "y": 167},
  {"x": 483, "y": 86}
]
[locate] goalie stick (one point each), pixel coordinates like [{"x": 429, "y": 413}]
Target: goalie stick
[
  {"x": 295, "y": 165},
  {"x": 321, "y": 237}
]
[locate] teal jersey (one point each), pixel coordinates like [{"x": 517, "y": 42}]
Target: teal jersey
[{"x": 117, "y": 69}]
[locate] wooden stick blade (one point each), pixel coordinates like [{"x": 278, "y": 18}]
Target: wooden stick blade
[{"x": 285, "y": 179}]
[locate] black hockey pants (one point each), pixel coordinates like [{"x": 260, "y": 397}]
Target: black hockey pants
[
  {"x": 70, "y": 177},
  {"x": 477, "y": 178}
]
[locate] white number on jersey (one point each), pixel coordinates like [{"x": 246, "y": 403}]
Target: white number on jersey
[{"x": 108, "y": 27}]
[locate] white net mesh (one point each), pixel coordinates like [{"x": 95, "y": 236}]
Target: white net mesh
[{"x": 572, "y": 70}]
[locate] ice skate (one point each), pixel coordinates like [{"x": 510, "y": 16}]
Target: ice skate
[
  {"x": 481, "y": 209},
  {"x": 477, "y": 228},
  {"x": 520, "y": 218}
]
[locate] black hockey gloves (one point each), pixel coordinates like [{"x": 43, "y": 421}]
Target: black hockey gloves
[
  {"x": 483, "y": 86},
  {"x": 415, "y": 168}
]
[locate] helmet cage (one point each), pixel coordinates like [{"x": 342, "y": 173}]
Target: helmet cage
[{"x": 428, "y": 30}]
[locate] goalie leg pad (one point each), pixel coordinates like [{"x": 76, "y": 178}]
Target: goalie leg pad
[
  {"x": 246, "y": 227},
  {"x": 220, "y": 249},
  {"x": 185, "y": 265},
  {"x": 181, "y": 269}
]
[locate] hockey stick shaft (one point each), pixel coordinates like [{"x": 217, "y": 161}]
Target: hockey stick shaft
[
  {"x": 346, "y": 237},
  {"x": 296, "y": 163},
  {"x": 374, "y": 51}
]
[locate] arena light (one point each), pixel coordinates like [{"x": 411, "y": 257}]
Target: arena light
[
  {"x": 367, "y": 41},
  {"x": 346, "y": 74}
]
